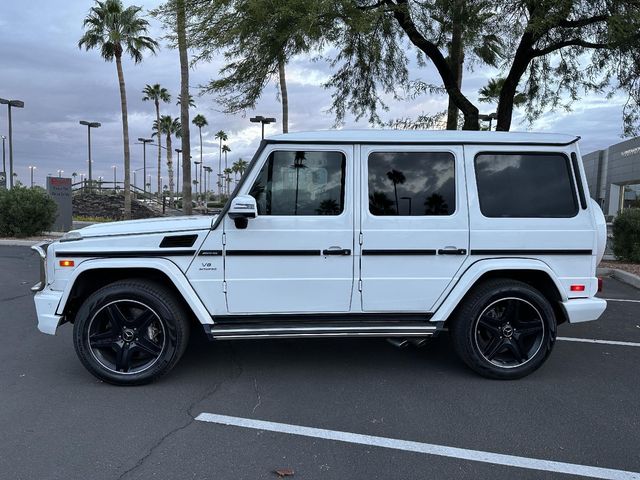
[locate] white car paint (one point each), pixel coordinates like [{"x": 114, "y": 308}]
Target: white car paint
[{"x": 215, "y": 284}]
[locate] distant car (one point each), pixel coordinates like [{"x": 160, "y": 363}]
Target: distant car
[{"x": 341, "y": 234}]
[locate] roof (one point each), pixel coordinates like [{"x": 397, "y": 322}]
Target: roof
[{"x": 424, "y": 136}]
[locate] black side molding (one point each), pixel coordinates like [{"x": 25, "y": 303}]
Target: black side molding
[
  {"x": 260, "y": 253},
  {"x": 369, "y": 251},
  {"x": 128, "y": 254},
  {"x": 531, "y": 252}
]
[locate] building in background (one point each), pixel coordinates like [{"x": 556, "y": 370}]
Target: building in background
[{"x": 613, "y": 175}]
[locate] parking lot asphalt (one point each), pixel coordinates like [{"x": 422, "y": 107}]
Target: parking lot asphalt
[{"x": 59, "y": 422}]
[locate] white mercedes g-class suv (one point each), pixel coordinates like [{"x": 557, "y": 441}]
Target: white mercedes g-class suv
[{"x": 398, "y": 234}]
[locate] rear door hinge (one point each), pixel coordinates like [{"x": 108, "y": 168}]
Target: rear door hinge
[
  {"x": 224, "y": 239},
  {"x": 360, "y": 285},
  {"x": 224, "y": 286},
  {"x": 361, "y": 238}
]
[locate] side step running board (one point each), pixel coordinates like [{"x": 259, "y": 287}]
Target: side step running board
[{"x": 305, "y": 330}]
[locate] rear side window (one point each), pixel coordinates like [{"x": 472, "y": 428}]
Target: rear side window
[
  {"x": 535, "y": 185},
  {"x": 301, "y": 183},
  {"x": 412, "y": 183}
]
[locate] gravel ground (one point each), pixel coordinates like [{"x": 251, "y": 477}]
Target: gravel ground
[{"x": 627, "y": 267}]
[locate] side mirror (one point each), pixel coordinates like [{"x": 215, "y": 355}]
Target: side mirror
[{"x": 243, "y": 207}]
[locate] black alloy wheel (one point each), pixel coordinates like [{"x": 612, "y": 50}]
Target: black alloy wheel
[
  {"x": 131, "y": 332},
  {"x": 504, "y": 329}
]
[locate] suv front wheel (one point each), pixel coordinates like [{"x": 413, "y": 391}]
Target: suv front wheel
[
  {"x": 505, "y": 329},
  {"x": 130, "y": 332}
]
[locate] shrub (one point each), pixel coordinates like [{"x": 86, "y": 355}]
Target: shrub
[
  {"x": 25, "y": 212},
  {"x": 626, "y": 235}
]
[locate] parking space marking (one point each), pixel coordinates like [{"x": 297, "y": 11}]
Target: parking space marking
[
  {"x": 604, "y": 342},
  {"x": 621, "y": 300},
  {"x": 419, "y": 447}
]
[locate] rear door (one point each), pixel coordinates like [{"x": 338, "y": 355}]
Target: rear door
[
  {"x": 414, "y": 225},
  {"x": 297, "y": 255}
]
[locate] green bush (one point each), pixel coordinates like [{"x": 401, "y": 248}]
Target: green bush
[
  {"x": 25, "y": 212},
  {"x": 626, "y": 235}
]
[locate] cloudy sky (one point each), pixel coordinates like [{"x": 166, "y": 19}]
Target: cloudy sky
[{"x": 60, "y": 85}]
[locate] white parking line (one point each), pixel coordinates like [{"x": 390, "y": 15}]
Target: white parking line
[
  {"x": 621, "y": 300},
  {"x": 604, "y": 342},
  {"x": 428, "y": 448}
]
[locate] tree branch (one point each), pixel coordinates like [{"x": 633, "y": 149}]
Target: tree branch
[
  {"x": 583, "y": 22},
  {"x": 373, "y": 6},
  {"x": 574, "y": 42}
]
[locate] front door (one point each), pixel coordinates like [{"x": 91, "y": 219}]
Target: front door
[
  {"x": 297, "y": 255},
  {"x": 414, "y": 225}
]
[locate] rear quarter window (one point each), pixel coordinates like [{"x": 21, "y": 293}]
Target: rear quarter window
[{"x": 525, "y": 185}]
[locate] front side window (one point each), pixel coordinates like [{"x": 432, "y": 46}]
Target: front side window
[
  {"x": 301, "y": 183},
  {"x": 534, "y": 185},
  {"x": 412, "y": 183}
]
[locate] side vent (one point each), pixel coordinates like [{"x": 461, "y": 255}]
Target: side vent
[{"x": 176, "y": 241}]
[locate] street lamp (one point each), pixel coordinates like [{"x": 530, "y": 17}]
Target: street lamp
[
  {"x": 9, "y": 104},
  {"x": 89, "y": 126},
  {"x": 4, "y": 158},
  {"x": 32, "y": 168},
  {"x": 144, "y": 142},
  {"x": 263, "y": 120},
  {"x": 178, "y": 151},
  {"x": 60, "y": 172},
  {"x": 198, "y": 189},
  {"x": 114, "y": 177}
]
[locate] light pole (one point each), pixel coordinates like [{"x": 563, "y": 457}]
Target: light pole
[
  {"x": 32, "y": 168},
  {"x": 89, "y": 126},
  {"x": 144, "y": 142},
  {"x": 4, "y": 157},
  {"x": 491, "y": 117},
  {"x": 196, "y": 163},
  {"x": 60, "y": 172},
  {"x": 263, "y": 120},
  {"x": 16, "y": 104},
  {"x": 114, "y": 177},
  {"x": 178, "y": 151}
]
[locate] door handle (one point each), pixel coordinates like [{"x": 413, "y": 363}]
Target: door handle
[
  {"x": 336, "y": 251},
  {"x": 452, "y": 251}
]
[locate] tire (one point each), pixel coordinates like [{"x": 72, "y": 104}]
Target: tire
[
  {"x": 130, "y": 332},
  {"x": 504, "y": 329}
]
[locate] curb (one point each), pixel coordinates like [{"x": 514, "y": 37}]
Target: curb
[{"x": 624, "y": 277}]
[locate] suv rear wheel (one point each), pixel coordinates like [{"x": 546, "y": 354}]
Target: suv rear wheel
[
  {"x": 130, "y": 332},
  {"x": 505, "y": 329}
]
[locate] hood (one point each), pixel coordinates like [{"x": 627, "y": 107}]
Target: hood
[{"x": 150, "y": 225}]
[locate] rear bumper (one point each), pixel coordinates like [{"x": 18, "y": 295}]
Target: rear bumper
[
  {"x": 46, "y": 305},
  {"x": 584, "y": 309}
]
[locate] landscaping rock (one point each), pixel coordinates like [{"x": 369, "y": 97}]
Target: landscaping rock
[{"x": 109, "y": 206}]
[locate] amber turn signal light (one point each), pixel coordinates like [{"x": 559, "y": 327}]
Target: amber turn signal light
[{"x": 67, "y": 263}]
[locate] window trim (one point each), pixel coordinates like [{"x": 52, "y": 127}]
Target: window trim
[
  {"x": 531, "y": 153},
  {"x": 307, "y": 148},
  {"x": 365, "y": 179}
]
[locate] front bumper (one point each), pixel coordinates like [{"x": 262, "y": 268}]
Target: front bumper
[
  {"x": 584, "y": 309},
  {"x": 47, "y": 302}
]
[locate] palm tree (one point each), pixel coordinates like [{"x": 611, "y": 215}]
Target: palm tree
[
  {"x": 191, "y": 103},
  {"x": 242, "y": 166},
  {"x": 225, "y": 150},
  {"x": 168, "y": 126},
  {"x": 157, "y": 94},
  {"x": 222, "y": 137},
  {"x": 227, "y": 177},
  {"x": 200, "y": 121},
  {"x": 397, "y": 178},
  {"x": 116, "y": 30}
]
